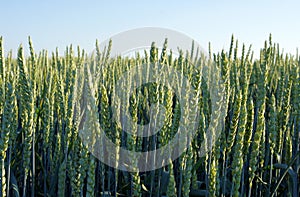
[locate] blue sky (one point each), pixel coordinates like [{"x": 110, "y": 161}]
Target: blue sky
[{"x": 58, "y": 23}]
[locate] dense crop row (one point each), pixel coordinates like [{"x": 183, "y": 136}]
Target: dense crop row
[{"x": 257, "y": 153}]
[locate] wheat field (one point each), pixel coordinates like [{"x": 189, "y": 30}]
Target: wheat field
[{"x": 257, "y": 153}]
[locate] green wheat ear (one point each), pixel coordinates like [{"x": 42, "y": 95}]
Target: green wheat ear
[{"x": 7, "y": 127}]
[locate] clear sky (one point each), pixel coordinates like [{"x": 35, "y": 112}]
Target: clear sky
[{"x": 58, "y": 23}]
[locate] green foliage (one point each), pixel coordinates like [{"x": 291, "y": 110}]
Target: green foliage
[{"x": 41, "y": 118}]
